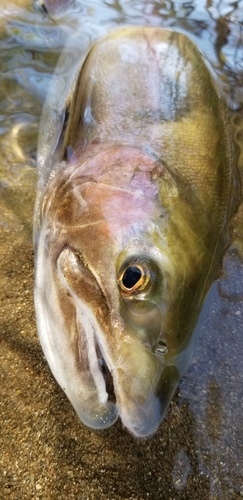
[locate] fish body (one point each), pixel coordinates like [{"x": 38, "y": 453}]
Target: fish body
[{"x": 131, "y": 224}]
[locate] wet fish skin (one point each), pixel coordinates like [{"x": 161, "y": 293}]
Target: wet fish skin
[{"x": 148, "y": 182}]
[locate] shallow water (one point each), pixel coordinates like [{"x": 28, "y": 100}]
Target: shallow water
[{"x": 46, "y": 452}]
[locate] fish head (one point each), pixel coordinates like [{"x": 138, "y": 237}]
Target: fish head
[
  {"x": 133, "y": 208},
  {"x": 115, "y": 286}
]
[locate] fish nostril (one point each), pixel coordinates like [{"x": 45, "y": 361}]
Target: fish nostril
[{"x": 162, "y": 348}]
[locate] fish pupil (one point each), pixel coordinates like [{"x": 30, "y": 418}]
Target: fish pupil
[{"x": 131, "y": 276}]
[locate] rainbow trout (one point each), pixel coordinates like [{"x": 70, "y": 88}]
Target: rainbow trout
[{"x": 132, "y": 217}]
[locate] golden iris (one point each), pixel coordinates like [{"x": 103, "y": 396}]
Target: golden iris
[{"x": 134, "y": 278}]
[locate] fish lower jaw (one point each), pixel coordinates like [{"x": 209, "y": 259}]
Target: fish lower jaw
[
  {"x": 97, "y": 409},
  {"x": 98, "y": 416}
]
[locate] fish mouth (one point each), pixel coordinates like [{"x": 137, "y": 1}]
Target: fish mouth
[
  {"x": 106, "y": 374},
  {"x": 140, "y": 410},
  {"x": 137, "y": 389},
  {"x": 110, "y": 372},
  {"x": 134, "y": 399}
]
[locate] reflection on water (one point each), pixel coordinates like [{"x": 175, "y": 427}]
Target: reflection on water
[{"x": 31, "y": 41}]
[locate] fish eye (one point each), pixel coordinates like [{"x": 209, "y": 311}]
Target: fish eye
[{"x": 134, "y": 278}]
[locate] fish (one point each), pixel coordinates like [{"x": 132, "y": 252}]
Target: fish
[{"x": 135, "y": 197}]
